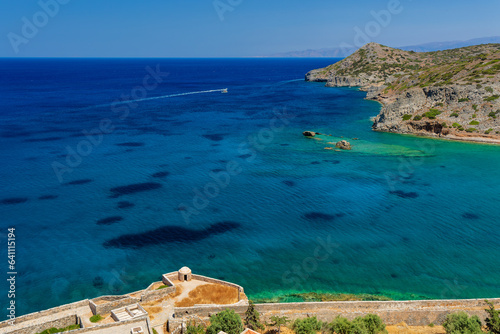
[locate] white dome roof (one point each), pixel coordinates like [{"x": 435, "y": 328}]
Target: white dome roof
[{"x": 185, "y": 270}]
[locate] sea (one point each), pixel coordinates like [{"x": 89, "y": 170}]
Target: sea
[{"x": 116, "y": 171}]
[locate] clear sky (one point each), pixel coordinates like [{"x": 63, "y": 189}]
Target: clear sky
[{"x": 230, "y": 28}]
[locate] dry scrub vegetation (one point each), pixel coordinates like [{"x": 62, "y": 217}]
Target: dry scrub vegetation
[{"x": 210, "y": 294}]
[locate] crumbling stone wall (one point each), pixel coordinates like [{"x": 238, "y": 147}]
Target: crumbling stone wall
[{"x": 414, "y": 312}]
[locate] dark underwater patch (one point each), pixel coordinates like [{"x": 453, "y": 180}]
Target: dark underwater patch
[
  {"x": 405, "y": 240},
  {"x": 124, "y": 205},
  {"x": 315, "y": 163},
  {"x": 161, "y": 174},
  {"x": 169, "y": 234},
  {"x": 180, "y": 123},
  {"x": 98, "y": 282},
  {"x": 244, "y": 156},
  {"x": 289, "y": 183},
  {"x": 77, "y": 182},
  {"x": 470, "y": 215},
  {"x": 322, "y": 216},
  {"x": 217, "y": 170},
  {"x": 35, "y": 140},
  {"x": 13, "y": 200},
  {"x": 214, "y": 137},
  {"x": 45, "y": 197},
  {"x": 335, "y": 162},
  {"x": 134, "y": 188},
  {"x": 109, "y": 220},
  {"x": 15, "y": 134},
  {"x": 285, "y": 144},
  {"x": 404, "y": 194},
  {"x": 130, "y": 144}
]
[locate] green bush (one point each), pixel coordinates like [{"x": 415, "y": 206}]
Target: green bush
[
  {"x": 162, "y": 287},
  {"x": 488, "y": 131},
  {"x": 96, "y": 318},
  {"x": 492, "y": 114},
  {"x": 491, "y": 98},
  {"x": 474, "y": 106},
  {"x": 154, "y": 331},
  {"x": 369, "y": 324},
  {"x": 307, "y": 326},
  {"x": 474, "y": 123},
  {"x": 432, "y": 113},
  {"x": 60, "y": 330},
  {"x": 440, "y": 104},
  {"x": 460, "y": 323},
  {"x": 474, "y": 115},
  {"x": 465, "y": 99},
  {"x": 191, "y": 328},
  {"x": 372, "y": 323},
  {"x": 417, "y": 118},
  {"x": 493, "y": 319},
  {"x": 341, "y": 325},
  {"x": 277, "y": 321},
  {"x": 406, "y": 117},
  {"x": 489, "y": 89},
  {"x": 471, "y": 130},
  {"x": 252, "y": 318},
  {"x": 455, "y": 125},
  {"x": 227, "y": 321},
  {"x": 454, "y": 114}
]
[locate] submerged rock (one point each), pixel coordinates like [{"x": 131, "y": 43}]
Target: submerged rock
[{"x": 343, "y": 145}]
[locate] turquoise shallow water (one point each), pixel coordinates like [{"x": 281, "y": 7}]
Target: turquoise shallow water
[{"x": 401, "y": 216}]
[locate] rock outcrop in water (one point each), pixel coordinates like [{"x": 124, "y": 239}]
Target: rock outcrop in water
[
  {"x": 343, "y": 145},
  {"x": 309, "y": 133},
  {"x": 451, "y": 94}
]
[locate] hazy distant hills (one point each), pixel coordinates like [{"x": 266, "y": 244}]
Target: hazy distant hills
[{"x": 344, "y": 52}]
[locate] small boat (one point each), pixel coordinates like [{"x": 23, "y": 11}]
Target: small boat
[{"x": 224, "y": 90}]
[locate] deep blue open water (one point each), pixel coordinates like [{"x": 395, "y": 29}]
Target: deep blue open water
[{"x": 400, "y": 216}]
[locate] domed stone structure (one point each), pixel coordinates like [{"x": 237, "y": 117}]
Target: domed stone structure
[{"x": 184, "y": 274}]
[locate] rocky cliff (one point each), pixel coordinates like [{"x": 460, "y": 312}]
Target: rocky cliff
[{"x": 452, "y": 94}]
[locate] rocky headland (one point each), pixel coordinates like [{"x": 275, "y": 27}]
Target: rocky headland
[{"x": 451, "y": 94}]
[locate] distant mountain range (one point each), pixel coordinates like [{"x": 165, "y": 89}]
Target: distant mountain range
[{"x": 344, "y": 52}]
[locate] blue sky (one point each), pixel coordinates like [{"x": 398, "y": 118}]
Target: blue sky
[{"x": 189, "y": 28}]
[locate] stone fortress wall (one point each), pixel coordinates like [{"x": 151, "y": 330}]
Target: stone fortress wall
[
  {"x": 413, "y": 313},
  {"x": 53, "y": 312},
  {"x": 57, "y": 323}
]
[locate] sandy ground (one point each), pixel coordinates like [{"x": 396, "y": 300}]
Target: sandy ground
[{"x": 403, "y": 328}]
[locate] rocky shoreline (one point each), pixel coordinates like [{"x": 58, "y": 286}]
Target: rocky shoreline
[{"x": 452, "y": 94}]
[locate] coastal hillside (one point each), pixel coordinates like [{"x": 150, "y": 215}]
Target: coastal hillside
[{"x": 452, "y": 94}]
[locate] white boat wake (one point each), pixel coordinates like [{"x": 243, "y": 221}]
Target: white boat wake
[{"x": 116, "y": 103}]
